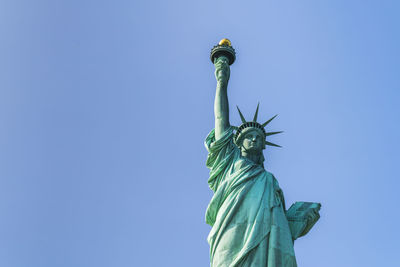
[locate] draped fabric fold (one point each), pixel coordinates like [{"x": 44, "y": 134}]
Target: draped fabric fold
[{"x": 247, "y": 214}]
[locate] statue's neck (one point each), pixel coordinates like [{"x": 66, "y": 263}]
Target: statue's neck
[{"x": 256, "y": 158}]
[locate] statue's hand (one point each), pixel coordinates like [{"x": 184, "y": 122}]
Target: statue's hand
[{"x": 222, "y": 70}]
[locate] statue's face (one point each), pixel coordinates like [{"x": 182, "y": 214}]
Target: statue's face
[{"x": 253, "y": 142}]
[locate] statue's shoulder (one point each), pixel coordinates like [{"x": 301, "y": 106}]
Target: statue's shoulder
[
  {"x": 272, "y": 177},
  {"x": 270, "y": 174}
]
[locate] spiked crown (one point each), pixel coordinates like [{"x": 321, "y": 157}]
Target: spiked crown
[{"x": 251, "y": 125}]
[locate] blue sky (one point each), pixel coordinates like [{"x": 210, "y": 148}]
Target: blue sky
[{"x": 104, "y": 107}]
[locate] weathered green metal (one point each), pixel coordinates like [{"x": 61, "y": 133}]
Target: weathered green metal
[
  {"x": 223, "y": 49},
  {"x": 250, "y": 224}
]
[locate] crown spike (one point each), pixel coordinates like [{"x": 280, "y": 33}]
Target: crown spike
[
  {"x": 271, "y": 144},
  {"x": 256, "y": 114},
  {"x": 268, "y": 121},
  {"x": 241, "y": 115},
  {"x": 272, "y": 133}
]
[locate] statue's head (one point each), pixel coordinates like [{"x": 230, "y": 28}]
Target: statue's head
[
  {"x": 252, "y": 140},
  {"x": 251, "y": 135}
]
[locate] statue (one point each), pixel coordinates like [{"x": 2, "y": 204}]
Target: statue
[{"x": 250, "y": 224}]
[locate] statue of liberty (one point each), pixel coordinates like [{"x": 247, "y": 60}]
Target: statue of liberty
[{"x": 250, "y": 224}]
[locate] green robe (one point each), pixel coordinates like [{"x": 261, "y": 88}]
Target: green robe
[{"x": 247, "y": 212}]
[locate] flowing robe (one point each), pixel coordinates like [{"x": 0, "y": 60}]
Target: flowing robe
[{"x": 247, "y": 212}]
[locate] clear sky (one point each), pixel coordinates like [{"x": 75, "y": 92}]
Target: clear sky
[{"x": 104, "y": 107}]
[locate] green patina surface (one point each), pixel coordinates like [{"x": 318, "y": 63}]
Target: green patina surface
[{"x": 250, "y": 224}]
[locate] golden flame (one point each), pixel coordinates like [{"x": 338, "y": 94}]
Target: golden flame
[{"x": 225, "y": 42}]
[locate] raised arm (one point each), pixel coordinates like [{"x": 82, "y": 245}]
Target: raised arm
[{"x": 221, "y": 106}]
